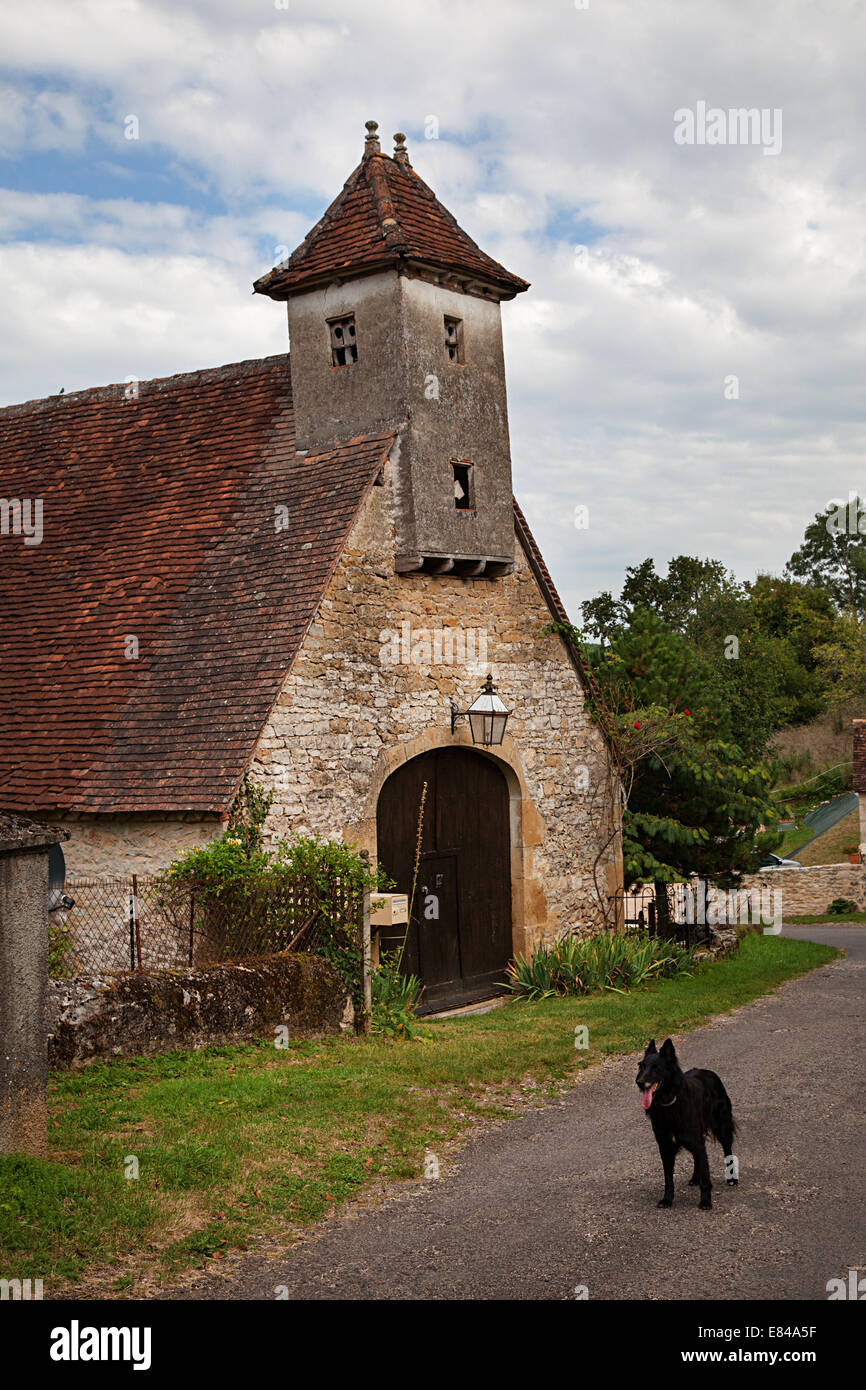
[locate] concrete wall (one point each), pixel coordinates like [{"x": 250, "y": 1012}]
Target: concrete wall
[
  {"x": 366, "y": 397},
  {"x": 456, "y": 411},
  {"x": 347, "y": 717},
  {"x": 404, "y": 379},
  {"x": 810, "y": 890},
  {"x": 23, "y": 990}
]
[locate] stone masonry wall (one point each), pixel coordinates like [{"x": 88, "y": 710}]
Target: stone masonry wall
[
  {"x": 810, "y": 890},
  {"x": 148, "y": 1012},
  {"x": 348, "y": 715},
  {"x": 134, "y": 844}
]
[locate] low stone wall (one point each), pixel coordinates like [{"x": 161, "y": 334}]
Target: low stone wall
[
  {"x": 809, "y": 890},
  {"x": 158, "y": 1011},
  {"x": 721, "y": 941}
]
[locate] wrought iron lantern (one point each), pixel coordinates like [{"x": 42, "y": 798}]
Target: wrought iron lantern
[{"x": 487, "y": 716}]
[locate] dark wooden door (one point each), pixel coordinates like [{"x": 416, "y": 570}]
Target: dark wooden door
[{"x": 459, "y": 939}]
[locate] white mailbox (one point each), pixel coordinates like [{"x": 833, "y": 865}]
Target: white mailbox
[{"x": 388, "y": 909}]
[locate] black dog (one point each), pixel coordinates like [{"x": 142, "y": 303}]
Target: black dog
[{"x": 684, "y": 1107}]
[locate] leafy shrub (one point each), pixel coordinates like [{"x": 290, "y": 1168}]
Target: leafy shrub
[
  {"x": 605, "y": 960},
  {"x": 61, "y": 945},
  {"x": 247, "y": 816},
  {"x": 839, "y": 906},
  {"x": 395, "y": 997},
  {"x": 248, "y": 900}
]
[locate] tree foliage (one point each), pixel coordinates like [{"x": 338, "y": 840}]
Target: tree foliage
[
  {"x": 832, "y": 556},
  {"x": 697, "y": 803}
]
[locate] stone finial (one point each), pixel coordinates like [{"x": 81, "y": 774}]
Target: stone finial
[
  {"x": 401, "y": 154},
  {"x": 371, "y": 144}
]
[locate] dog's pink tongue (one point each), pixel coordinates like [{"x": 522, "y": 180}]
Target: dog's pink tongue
[{"x": 646, "y": 1098}]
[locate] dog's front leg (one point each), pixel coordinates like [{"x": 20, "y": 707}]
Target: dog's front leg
[{"x": 668, "y": 1152}]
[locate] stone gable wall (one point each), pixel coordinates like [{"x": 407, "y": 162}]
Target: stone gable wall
[{"x": 348, "y": 715}]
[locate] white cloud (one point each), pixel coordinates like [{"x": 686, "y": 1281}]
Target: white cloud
[{"x": 705, "y": 262}]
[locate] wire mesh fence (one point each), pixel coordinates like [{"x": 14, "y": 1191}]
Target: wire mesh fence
[{"x": 143, "y": 922}]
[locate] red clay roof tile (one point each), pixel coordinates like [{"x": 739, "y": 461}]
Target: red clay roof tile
[
  {"x": 385, "y": 215},
  {"x": 160, "y": 523}
]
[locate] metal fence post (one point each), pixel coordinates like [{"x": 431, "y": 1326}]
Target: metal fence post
[
  {"x": 366, "y": 979},
  {"x": 368, "y": 983},
  {"x": 135, "y": 918},
  {"x": 132, "y": 930}
]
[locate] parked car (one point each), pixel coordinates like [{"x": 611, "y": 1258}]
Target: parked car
[{"x": 773, "y": 861}]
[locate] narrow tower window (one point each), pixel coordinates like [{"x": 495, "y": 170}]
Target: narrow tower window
[
  {"x": 464, "y": 485},
  {"x": 454, "y": 339},
  {"x": 344, "y": 348}
]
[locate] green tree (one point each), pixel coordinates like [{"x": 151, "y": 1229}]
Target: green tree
[
  {"x": 696, "y": 805},
  {"x": 832, "y": 556},
  {"x": 758, "y": 638},
  {"x": 603, "y": 616},
  {"x": 842, "y": 662},
  {"x": 678, "y": 597}
]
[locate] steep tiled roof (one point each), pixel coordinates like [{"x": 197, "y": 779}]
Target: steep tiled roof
[
  {"x": 385, "y": 215},
  {"x": 162, "y": 523},
  {"x": 551, "y": 597},
  {"x": 185, "y": 520}
]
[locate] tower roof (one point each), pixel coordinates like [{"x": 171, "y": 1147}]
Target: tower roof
[{"x": 387, "y": 216}]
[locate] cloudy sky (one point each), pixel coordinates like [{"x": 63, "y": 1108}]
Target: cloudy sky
[{"x": 689, "y": 362}]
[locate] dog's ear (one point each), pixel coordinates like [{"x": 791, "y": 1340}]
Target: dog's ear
[
  {"x": 668, "y": 1051},
  {"x": 651, "y": 1045}
]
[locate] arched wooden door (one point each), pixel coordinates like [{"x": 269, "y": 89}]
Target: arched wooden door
[{"x": 459, "y": 940}]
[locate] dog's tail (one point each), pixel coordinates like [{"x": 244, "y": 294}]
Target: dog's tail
[{"x": 722, "y": 1110}]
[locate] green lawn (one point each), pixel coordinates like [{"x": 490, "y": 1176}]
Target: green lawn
[
  {"x": 830, "y": 847},
  {"x": 234, "y": 1143},
  {"x": 792, "y": 839},
  {"x": 824, "y": 919}
]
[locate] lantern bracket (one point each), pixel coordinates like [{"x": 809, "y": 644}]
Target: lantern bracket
[{"x": 487, "y": 704}]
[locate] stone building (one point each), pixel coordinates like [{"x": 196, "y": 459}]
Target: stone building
[
  {"x": 296, "y": 571},
  {"x": 859, "y": 777}
]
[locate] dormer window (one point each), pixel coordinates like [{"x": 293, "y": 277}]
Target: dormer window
[
  {"x": 454, "y": 339},
  {"x": 344, "y": 348},
  {"x": 464, "y": 485}
]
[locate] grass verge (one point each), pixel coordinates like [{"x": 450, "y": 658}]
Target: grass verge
[
  {"x": 237, "y": 1143},
  {"x": 831, "y": 847},
  {"x": 825, "y": 919}
]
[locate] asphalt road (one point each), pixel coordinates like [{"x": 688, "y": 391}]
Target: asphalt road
[{"x": 566, "y": 1196}]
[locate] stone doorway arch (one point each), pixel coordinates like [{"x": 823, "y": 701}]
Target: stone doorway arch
[{"x": 450, "y": 806}]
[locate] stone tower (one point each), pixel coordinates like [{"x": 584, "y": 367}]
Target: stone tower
[{"x": 394, "y": 323}]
